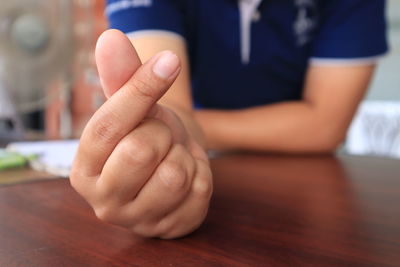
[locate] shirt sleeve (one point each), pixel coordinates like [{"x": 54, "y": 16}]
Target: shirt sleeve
[
  {"x": 351, "y": 31},
  {"x": 132, "y": 16}
]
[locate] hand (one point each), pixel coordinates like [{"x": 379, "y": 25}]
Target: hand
[{"x": 136, "y": 165}]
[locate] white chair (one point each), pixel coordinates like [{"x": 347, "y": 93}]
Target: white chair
[{"x": 375, "y": 130}]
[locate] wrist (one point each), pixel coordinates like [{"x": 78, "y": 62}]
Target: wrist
[
  {"x": 191, "y": 125},
  {"x": 209, "y": 123}
]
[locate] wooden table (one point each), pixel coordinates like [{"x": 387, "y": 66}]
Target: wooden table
[
  {"x": 266, "y": 211},
  {"x": 22, "y": 175}
]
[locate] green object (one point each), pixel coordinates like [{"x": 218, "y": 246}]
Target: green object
[{"x": 9, "y": 160}]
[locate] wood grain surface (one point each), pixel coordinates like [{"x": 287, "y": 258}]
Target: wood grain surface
[
  {"x": 266, "y": 211},
  {"x": 22, "y": 175}
]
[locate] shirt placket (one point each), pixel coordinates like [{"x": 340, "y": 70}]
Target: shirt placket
[{"x": 248, "y": 12}]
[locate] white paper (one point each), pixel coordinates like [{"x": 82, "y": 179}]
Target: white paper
[{"x": 54, "y": 157}]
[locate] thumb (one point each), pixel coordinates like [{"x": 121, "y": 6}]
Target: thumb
[{"x": 116, "y": 60}]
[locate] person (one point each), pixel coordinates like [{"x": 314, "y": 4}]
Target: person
[{"x": 270, "y": 76}]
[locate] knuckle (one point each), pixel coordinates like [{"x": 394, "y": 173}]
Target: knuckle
[
  {"x": 138, "y": 152},
  {"x": 164, "y": 129},
  {"x": 106, "y": 214},
  {"x": 75, "y": 178},
  {"x": 80, "y": 183},
  {"x": 191, "y": 167},
  {"x": 143, "y": 87},
  {"x": 83, "y": 185},
  {"x": 165, "y": 226},
  {"x": 106, "y": 131},
  {"x": 203, "y": 187},
  {"x": 104, "y": 190},
  {"x": 160, "y": 131},
  {"x": 174, "y": 176},
  {"x": 145, "y": 230}
]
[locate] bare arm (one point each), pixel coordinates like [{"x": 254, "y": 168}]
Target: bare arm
[{"x": 316, "y": 124}]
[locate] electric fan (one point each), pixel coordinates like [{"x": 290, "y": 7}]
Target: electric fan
[{"x": 38, "y": 45}]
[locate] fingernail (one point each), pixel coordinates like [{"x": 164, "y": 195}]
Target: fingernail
[{"x": 166, "y": 65}]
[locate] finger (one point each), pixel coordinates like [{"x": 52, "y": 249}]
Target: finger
[
  {"x": 165, "y": 190},
  {"x": 116, "y": 60},
  {"x": 193, "y": 210},
  {"x": 124, "y": 111},
  {"x": 132, "y": 162}
]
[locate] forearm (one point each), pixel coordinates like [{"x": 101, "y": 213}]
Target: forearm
[
  {"x": 291, "y": 127},
  {"x": 316, "y": 124}
]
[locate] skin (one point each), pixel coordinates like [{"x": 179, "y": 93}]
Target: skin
[
  {"x": 136, "y": 164},
  {"x": 316, "y": 124},
  {"x": 142, "y": 163}
]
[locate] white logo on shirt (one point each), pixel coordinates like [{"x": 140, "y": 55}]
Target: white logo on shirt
[
  {"x": 304, "y": 22},
  {"x": 126, "y": 4}
]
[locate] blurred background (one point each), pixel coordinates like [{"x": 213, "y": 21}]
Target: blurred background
[
  {"x": 376, "y": 127},
  {"x": 49, "y": 86}
]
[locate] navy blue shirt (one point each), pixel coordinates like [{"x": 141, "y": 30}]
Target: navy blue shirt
[{"x": 246, "y": 53}]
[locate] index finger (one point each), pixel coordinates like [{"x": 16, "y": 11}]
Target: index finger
[{"x": 121, "y": 113}]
